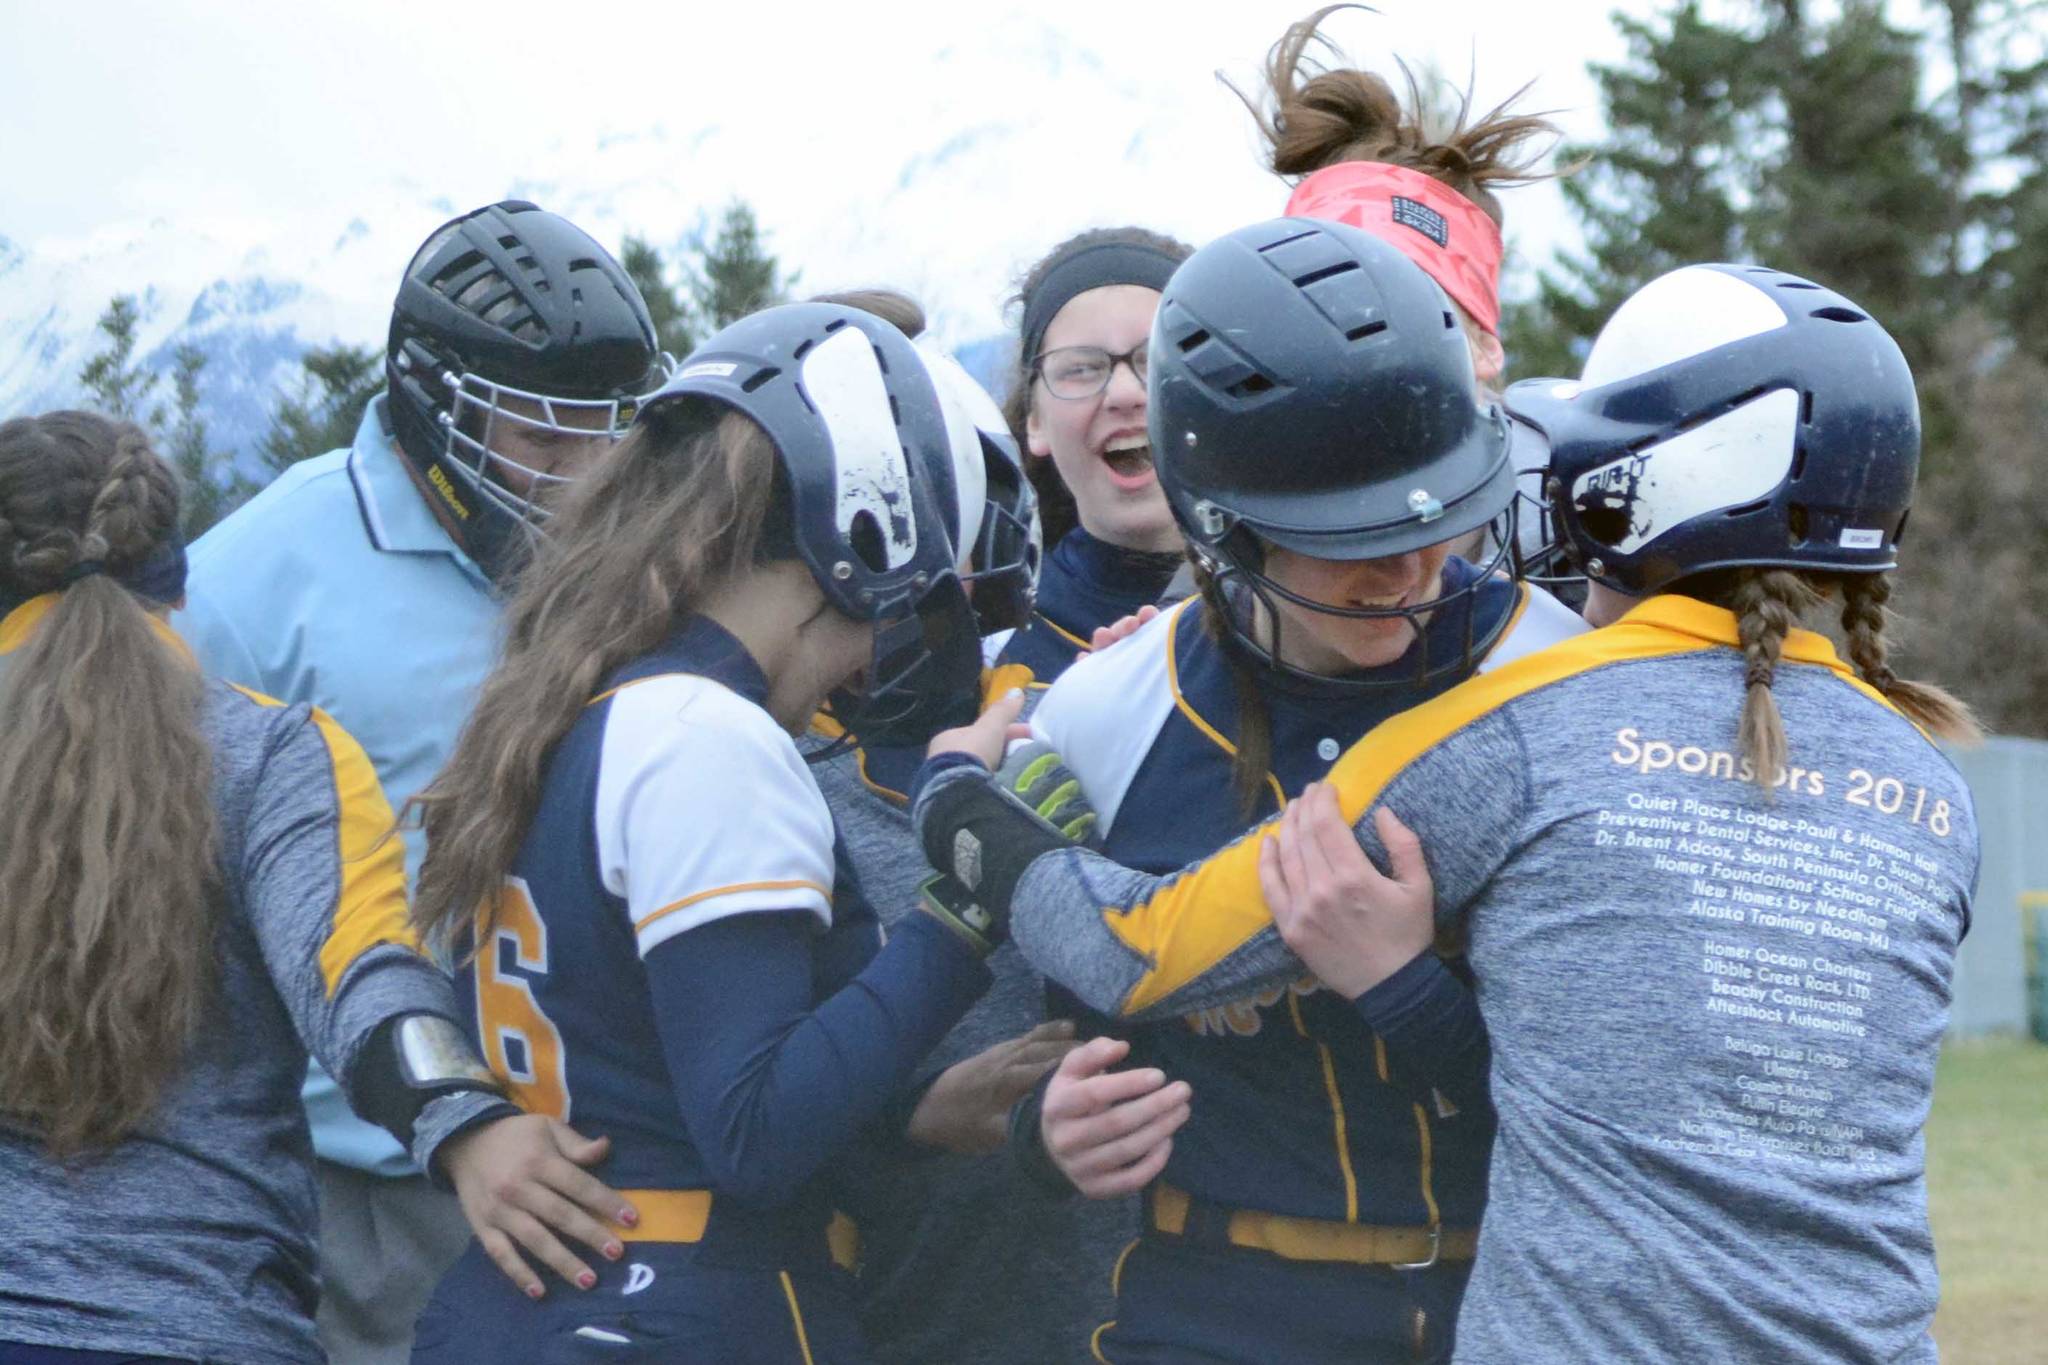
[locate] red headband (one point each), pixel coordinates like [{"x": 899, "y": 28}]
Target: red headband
[{"x": 1434, "y": 226}]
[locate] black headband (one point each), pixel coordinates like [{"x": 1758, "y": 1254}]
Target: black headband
[
  {"x": 159, "y": 579},
  {"x": 1092, "y": 267}
]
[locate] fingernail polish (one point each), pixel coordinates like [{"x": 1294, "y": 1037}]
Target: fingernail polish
[
  {"x": 612, "y": 1251},
  {"x": 534, "y": 1291},
  {"x": 588, "y": 1279},
  {"x": 629, "y": 1218}
]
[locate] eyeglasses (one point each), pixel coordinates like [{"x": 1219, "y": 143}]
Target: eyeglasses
[{"x": 1077, "y": 372}]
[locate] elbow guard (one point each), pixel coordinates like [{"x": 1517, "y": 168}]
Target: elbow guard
[{"x": 411, "y": 1061}]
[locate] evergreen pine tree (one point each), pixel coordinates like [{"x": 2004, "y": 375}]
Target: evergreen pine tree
[
  {"x": 322, "y": 413},
  {"x": 212, "y": 486},
  {"x": 119, "y": 386},
  {"x": 665, "y": 303},
  {"x": 2015, "y": 215},
  {"x": 1863, "y": 195},
  {"x": 735, "y": 273},
  {"x": 1667, "y": 187}
]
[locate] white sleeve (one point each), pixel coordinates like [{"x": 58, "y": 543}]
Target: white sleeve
[
  {"x": 705, "y": 809},
  {"x": 1539, "y": 621},
  {"x": 1103, "y": 714}
]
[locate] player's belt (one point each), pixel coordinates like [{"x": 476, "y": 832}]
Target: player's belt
[
  {"x": 685, "y": 1216},
  {"x": 1178, "y": 1214}
]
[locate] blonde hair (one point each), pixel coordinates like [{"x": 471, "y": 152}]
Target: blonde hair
[
  {"x": 682, "y": 504},
  {"x": 108, "y": 883}
]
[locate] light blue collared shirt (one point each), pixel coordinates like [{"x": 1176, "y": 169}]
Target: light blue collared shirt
[{"x": 336, "y": 586}]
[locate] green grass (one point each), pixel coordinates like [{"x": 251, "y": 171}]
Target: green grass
[{"x": 1987, "y": 1194}]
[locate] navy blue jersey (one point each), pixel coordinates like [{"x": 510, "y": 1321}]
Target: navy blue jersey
[
  {"x": 681, "y": 959},
  {"x": 1084, "y": 584},
  {"x": 1300, "y": 1108}
]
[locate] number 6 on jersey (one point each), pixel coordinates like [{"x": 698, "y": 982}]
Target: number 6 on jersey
[{"x": 521, "y": 1045}]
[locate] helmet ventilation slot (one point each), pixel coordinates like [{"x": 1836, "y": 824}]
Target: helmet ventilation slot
[
  {"x": 1368, "y": 329},
  {"x": 455, "y": 280},
  {"x": 1834, "y": 314},
  {"x": 865, "y": 536},
  {"x": 759, "y": 378},
  {"x": 1605, "y": 522},
  {"x": 1797, "y": 284},
  {"x": 1251, "y": 386},
  {"x": 1313, "y": 276},
  {"x": 1797, "y": 522},
  {"x": 1192, "y": 340}
]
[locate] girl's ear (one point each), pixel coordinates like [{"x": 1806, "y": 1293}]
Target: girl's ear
[
  {"x": 1489, "y": 361},
  {"x": 1034, "y": 433}
]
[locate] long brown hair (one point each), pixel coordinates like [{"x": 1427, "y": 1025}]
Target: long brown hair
[
  {"x": 1057, "y": 513},
  {"x": 680, "y": 505},
  {"x": 108, "y": 884},
  {"x": 1767, "y": 604}
]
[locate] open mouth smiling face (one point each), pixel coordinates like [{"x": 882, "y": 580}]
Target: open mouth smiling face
[{"x": 1129, "y": 457}]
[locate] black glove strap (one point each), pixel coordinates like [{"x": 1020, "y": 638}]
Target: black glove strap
[{"x": 982, "y": 837}]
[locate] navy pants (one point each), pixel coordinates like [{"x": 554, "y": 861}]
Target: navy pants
[
  {"x": 662, "y": 1302},
  {"x": 1180, "y": 1302}
]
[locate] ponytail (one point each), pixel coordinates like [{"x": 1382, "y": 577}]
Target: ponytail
[
  {"x": 1313, "y": 117},
  {"x": 1768, "y": 604},
  {"x": 108, "y": 882},
  {"x": 1252, "y": 760},
  {"x": 1864, "y": 617}
]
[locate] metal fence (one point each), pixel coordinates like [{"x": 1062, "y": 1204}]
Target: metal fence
[{"x": 2009, "y": 781}]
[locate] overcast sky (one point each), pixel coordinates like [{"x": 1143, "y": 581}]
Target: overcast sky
[
  {"x": 251, "y": 122},
  {"x": 182, "y": 107}
]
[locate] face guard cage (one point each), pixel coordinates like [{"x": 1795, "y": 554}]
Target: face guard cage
[
  {"x": 1502, "y": 563},
  {"x": 923, "y": 676},
  {"x": 478, "y": 405},
  {"x": 1540, "y": 552},
  {"x": 1005, "y": 565}
]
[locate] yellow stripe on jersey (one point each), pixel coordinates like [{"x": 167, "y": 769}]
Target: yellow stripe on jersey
[
  {"x": 1200, "y": 917},
  {"x": 1522, "y": 591},
  {"x": 1007, "y": 677},
  {"x": 1436, "y": 1216},
  {"x": 1336, "y": 1109},
  {"x": 19, "y": 624},
  {"x": 1195, "y": 719},
  {"x": 640, "y": 925},
  {"x": 796, "y": 1316},
  {"x": 1065, "y": 634},
  {"x": 371, "y": 908}
]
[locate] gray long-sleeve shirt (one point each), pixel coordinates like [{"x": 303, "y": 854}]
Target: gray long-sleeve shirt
[
  {"x": 194, "y": 1235},
  {"x": 1714, "y": 1010},
  {"x": 941, "y": 1232}
]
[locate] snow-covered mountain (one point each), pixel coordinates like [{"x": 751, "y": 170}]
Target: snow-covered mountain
[{"x": 946, "y": 179}]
